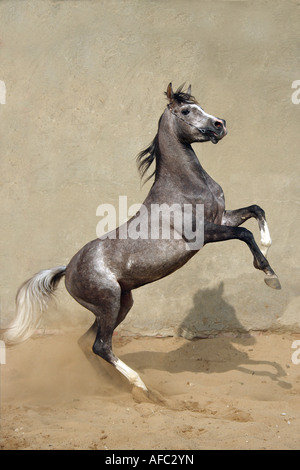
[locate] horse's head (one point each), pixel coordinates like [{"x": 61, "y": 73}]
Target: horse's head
[{"x": 192, "y": 123}]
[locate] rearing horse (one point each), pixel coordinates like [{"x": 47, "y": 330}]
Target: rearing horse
[{"x": 103, "y": 273}]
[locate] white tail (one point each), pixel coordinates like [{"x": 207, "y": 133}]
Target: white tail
[{"x": 31, "y": 301}]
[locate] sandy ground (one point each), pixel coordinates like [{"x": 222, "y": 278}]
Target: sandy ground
[{"x": 222, "y": 393}]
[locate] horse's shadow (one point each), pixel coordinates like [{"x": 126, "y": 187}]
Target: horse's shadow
[
  {"x": 209, "y": 314},
  {"x": 223, "y": 357}
]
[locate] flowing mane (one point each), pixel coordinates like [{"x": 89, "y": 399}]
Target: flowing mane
[{"x": 146, "y": 157}]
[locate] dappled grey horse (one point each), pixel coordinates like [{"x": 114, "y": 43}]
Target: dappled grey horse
[{"x": 103, "y": 273}]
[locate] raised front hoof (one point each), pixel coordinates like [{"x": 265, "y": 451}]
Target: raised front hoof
[{"x": 273, "y": 281}]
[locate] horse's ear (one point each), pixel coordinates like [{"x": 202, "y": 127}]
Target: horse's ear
[
  {"x": 189, "y": 90},
  {"x": 169, "y": 93}
]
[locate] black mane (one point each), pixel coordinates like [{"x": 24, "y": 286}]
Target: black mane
[{"x": 146, "y": 157}]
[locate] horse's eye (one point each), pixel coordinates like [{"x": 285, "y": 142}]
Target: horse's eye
[{"x": 185, "y": 111}]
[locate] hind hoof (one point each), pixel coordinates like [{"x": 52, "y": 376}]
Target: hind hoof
[{"x": 273, "y": 281}]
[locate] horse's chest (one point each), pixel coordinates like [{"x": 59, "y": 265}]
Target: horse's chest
[{"x": 214, "y": 203}]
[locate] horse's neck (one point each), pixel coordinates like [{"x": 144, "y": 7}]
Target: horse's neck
[
  {"x": 180, "y": 178},
  {"x": 177, "y": 164}
]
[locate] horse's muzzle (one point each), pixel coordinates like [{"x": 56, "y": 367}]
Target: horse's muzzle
[{"x": 217, "y": 131}]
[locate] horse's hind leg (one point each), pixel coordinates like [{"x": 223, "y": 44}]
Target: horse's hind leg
[
  {"x": 126, "y": 303},
  {"x": 89, "y": 336},
  {"x": 85, "y": 343},
  {"x": 112, "y": 309},
  {"x": 103, "y": 348}
]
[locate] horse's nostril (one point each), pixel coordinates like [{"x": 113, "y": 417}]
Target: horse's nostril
[{"x": 218, "y": 124}]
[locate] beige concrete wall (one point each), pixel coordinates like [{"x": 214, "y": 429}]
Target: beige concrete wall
[{"x": 84, "y": 92}]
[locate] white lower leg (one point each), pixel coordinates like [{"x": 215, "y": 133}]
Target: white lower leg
[
  {"x": 130, "y": 374},
  {"x": 266, "y": 240}
]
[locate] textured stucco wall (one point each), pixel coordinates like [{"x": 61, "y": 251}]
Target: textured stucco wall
[{"x": 84, "y": 92}]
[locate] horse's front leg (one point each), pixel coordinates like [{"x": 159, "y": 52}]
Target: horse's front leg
[
  {"x": 239, "y": 216},
  {"x": 217, "y": 233}
]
